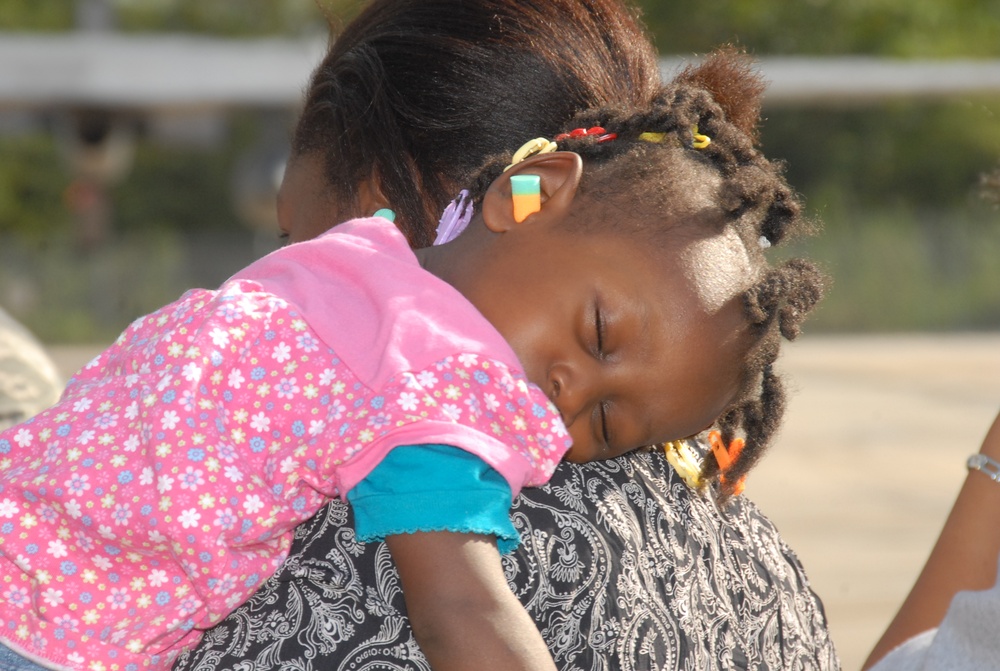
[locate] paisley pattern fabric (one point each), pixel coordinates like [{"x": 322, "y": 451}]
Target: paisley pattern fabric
[{"x": 621, "y": 565}]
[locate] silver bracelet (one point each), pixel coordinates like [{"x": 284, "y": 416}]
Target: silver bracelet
[{"x": 989, "y": 467}]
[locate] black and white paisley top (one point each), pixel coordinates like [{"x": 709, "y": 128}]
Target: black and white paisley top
[{"x": 621, "y": 565}]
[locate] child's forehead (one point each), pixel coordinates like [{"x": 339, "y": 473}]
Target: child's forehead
[{"x": 717, "y": 267}]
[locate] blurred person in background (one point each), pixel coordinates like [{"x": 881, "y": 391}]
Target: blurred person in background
[{"x": 29, "y": 381}]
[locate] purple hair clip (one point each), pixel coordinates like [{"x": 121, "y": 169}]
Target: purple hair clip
[{"x": 456, "y": 217}]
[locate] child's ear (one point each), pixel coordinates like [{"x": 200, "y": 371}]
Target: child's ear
[{"x": 560, "y": 174}]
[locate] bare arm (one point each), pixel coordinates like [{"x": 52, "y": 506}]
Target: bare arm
[
  {"x": 964, "y": 557},
  {"x": 463, "y": 614}
]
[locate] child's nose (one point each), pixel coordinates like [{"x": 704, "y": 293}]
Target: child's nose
[{"x": 572, "y": 391}]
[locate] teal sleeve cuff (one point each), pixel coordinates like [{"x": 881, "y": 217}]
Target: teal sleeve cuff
[{"x": 433, "y": 488}]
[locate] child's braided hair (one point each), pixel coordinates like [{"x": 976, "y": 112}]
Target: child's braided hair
[{"x": 721, "y": 99}]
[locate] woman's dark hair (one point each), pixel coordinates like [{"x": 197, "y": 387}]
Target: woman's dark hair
[
  {"x": 719, "y": 98},
  {"x": 418, "y": 93}
]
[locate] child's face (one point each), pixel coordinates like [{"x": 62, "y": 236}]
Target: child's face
[{"x": 623, "y": 336}]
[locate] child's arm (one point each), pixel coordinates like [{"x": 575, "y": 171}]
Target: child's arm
[
  {"x": 463, "y": 614},
  {"x": 964, "y": 557}
]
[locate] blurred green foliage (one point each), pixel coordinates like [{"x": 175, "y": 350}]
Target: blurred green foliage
[
  {"x": 899, "y": 28},
  {"x": 907, "y": 238}
]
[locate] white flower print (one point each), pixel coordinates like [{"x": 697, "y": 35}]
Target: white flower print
[
  {"x": 157, "y": 577},
  {"x": 236, "y": 378},
  {"x": 252, "y": 504},
  {"x": 316, "y": 427},
  {"x": 327, "y": 376},
  {"x": 23, "y": 437},
  {"x": 82, "y": 405},
  {"x": 85, "y": 437},
  {"x": 191, "y": 372},
  {"x": 74, "y": 509},
  {"x": 260, "y": 422},
  {"x": 468, "y": 360},
  {"x": 164, "y": 484},
  {"x": 189, "y": 518},
  {"x": 169, "y": 420},
  {"x": 132, "y": 411},
  {"x": 131, "y": 443},
  {"x": 8, "y": 508},
  {"x": 53, "y": 597},
  {"x": 426, "y": 378},
  {"x": 234, "y": 474},
  {"x": 164, "y": 382},
  {"x": 451, "y": 411},
  {"x": 282, "y": 352},
  {"x": 407, "y": 401},
  {"x": 57, "y": 549},
  {"x": 146, "y": 476},
  {"x": 220, "y": 337},
  {"x": 491, "y": 402}
]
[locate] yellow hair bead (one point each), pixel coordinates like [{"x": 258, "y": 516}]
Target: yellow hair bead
[
  {"x": 530, "y": 148},
  {"x": 685, "y": 462},
  {"x": 655, "y": 138},
  {"x": 700, "y": 141}
]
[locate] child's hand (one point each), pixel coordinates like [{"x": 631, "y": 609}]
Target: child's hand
[{"x": 463, "y": 614}]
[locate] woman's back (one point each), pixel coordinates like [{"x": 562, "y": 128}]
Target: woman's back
[{"x": 621, "y": 566}]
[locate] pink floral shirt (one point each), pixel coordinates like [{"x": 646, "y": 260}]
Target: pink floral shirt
[{"x": 163, "y": 488}]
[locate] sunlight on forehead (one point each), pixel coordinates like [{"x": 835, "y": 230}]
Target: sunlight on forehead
[{"x": 718, "y": 268}]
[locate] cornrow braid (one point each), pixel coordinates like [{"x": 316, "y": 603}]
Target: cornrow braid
[{"x": 754, "y": 199}]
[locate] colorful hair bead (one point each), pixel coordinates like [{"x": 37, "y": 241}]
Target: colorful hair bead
[
  {"x": 530, "y": 148},
  {"x": 700, "y": 141},
  {"x": 655, "y": 138},
  {"x": 526, "y": 192},
  {"x": 602, "y": 135},
  {"x": 727, "y": 456},
  {"x": 685, "y": 462},
  {"x": 455, "y": 218},
  {"x": 385, "y": 213}
]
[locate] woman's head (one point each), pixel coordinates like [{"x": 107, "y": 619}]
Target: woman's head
[
  {"x": 413, "y": 96},
  {"x": 675, "y": 213}
]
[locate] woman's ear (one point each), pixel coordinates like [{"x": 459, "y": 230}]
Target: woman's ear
[{"x": 559, "y": 174}]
